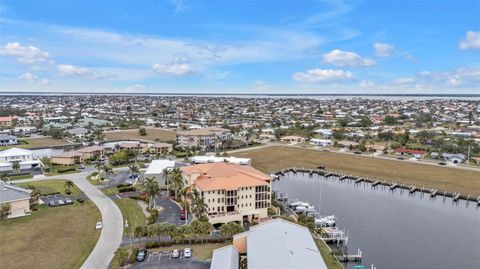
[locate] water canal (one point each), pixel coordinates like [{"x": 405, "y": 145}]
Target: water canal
[{"x": 394, "y": 229}]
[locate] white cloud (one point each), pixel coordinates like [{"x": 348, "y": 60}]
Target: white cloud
[
  {"x": 218, "y": 75},
  {"x": 405, "y": 80},
  {"x": 383, "y": 49},
  {"x": 346, "y": 58},
  {"x": 34, "y": 79},
  {"x": 180, "y": 66},
  {"x": 24, "y": 54},
  {"x": 323, "y": 75},
  {"x": 367, "y": 83},
  {"x": 471, "y": 41},
  {"x": 68, "y": 69},
  {"x": 261, "y": 86},
  {"x": 178, "y": 4},
  {"x": 28, "y": 76}
]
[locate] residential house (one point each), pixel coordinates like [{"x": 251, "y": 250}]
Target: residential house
[
  {"x": 321, "y": 142},
  {"x": 68, "y": 158},
  {"x": 292, "y": 139},
  {"x": 277, "y": 243},
  {"x": 160, "y": 148},
  {"x": 18, "y": 198},
  {"x": 17, "y": 159},
  {"x": 8, "y": 140},
  {"x": 78, "y": 133},
  {"x": 231, "y": 192},
  {"x": 6, "y": 121}
]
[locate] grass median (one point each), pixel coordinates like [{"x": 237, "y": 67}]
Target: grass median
[
  {"x": 132, "y": 213},
  {"x": 60, "y": 237},
  {"x": 442, "y": 178},
  {"x": 152, "y": 134},
  {"x": 51, "y": 186}
]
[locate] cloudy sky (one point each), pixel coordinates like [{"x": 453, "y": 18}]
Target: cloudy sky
[{"x": 220, "y": 46}]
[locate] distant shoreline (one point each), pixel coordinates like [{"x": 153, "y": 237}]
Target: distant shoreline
[{"x": 239, "y": 94}]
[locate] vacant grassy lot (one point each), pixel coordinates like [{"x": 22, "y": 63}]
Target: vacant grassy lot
[
  {"x": 131, "y": 212},
  {"x": 51, "y": 186},
  {"x": 27, "y": 143},
  {"x": 60, "y": 237},
  {"x": 201, "y": 252},
  {"x": 441, "y": 178},
  {"x": 152, "y": 134}
]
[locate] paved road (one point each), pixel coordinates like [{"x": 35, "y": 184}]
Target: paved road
[
  {"x": 112, "y": 232},
  {"x": 170, "y": 212}
]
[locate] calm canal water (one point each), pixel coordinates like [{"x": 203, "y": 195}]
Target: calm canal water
[{"x": 394, "y": 230}]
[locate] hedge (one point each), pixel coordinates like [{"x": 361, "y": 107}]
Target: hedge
[
  {"x": 62, "y": 169},
  {"x": 126, "y": 189}
]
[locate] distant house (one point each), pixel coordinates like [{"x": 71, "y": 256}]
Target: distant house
[
  {"x": 266, "y": 137},
  {"x": 18, "y": 199},
  {"x": 454, "y": 158},
  {"x": 8, "y": 140},
  {"x": 6, "y": 121},
  {"x": 67, "y": 158},
  {"x": 160, "y": 148},
  {"x": 203, "y": 138},
  {"x": 321, "y": 142},
  {"x": 411, "y": 152},
  {"x": 324, "y": 132},
  {"x": 78, "y": 133},
  {"x": 90, "y": 152},
  {"x": 214, "y": 159},
  {"x": 23, "y": 157},
  {"x": 277, "y": 243},
  {"x": 292, "y": 139}
]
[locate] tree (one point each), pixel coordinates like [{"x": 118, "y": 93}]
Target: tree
[
  {"x": 152, "y": 189},
  {"x": 366, "y": 122},
  {"x": 199, "y": 207},
  {"x": 166, "y": 172},
  {"x": 107, "y": 169},
  {"x": 4, "y": 176},
  {"x": 177, "y": 180},
  {"x": 201, "y": 228},
  {"x": 98, "y": 165},
  {"x": 134, "y": 169},
  {"x": 390, "y": 120},
  {"x": 231, "y": 229},
  {"x": 142, "y": 131},
  {"x": 139, "y": 231},
  {"x": 16, "y": 166},
  {"x": 342, "y": 122},
  {"x": 4, "y": 211},
  {"x": 99, "y": 135},
  {"x": 35, "y": 194},
  {"x": 68, "y": 185},
  {"x": 121, "y": 256}
]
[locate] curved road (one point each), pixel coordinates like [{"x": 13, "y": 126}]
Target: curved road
[{"x": 112, "y": 232}]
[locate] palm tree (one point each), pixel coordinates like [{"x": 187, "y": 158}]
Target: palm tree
[
  {"x": 107, "y": 169},
  {"x": 199, "y": 207},
  {"x": 166, "y": 175},
  {"x": 99, "y": 135},
  {"x": 68, "y": 184},
  {"x": 134, "y": 169},
  {"x": 98, "y": 165},
  {"x": 35, "y": 194},
  {"x": 177, "y": 180},
  {"x": 152, "y": 189}
]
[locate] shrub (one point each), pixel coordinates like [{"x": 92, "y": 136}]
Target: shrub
[
  {"x": 272, "y": 211},
  {"x": 80, "y": 200},
  {"x": 68, "y": 192},
  {"x": 153, "y": 216},
  {"x": 158, "y": 244},
  {"x": 64, "y": 169},
  {"x": 126, "y": 189}
]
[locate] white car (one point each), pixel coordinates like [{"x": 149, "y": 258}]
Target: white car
[
  {"x": 99, "y": 225},
  {"x": 187, "y": 253},
  {"x": 175, "y": 253}
]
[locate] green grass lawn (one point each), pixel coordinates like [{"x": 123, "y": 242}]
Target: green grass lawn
[
  {"x": 131, "y": 212},
  {"x": 50, "y": 186},
  {"x": 330, "y": 260},
  {"x": 60, "y": 237}
]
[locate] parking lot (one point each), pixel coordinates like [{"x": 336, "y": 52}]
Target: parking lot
[
  {"x": 164, "y": 260},
  {"x": 119, "y": 177},
  {"x": 54, "y": 198},
  {"x": 170, "y": 211}
]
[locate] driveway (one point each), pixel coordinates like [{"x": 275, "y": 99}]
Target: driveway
[
  {"x": 163, "y": 260},
  {"x": 170, "y": 211}
]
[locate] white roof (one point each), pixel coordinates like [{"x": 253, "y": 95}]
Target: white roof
[
  {"x": 156, "y": 166},
  {"x": 15, "y": 152},
  {"x": 213, "y": 159},
  {"x": 281, "y": 244},
  {"x": 225, "y": 258}
]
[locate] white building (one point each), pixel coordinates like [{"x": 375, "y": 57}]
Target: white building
[
  {"x": 23, "y": 157},
  {"x": 324, "y": 132},
  {"x": 214, "y": 159},
  {"x": 321, "y": 142},
  {"x": 155, "y": 169},
  {"x": 277, "y": 243},
  {"x": 8, "y": 140}
]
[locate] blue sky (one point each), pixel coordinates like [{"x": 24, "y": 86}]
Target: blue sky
[{"x": 423, "y": 46}]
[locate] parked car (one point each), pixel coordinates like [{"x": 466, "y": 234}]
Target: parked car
[
  {"x": 52, "y": 203},
  {"x": 357, "y": 152},
  {"x": 182, "y": 214},
  {"x": 175, "y": 253},
  {"x": 61, "y": 202},
  {"x": 142, "y": 255},
  {"x": 99, "y": 225},
  {"x": 442, "y": 163},
  {"x": 68, "y": 201},
  {"x": 187, "y": 253},
  {"x": 82, "y": 166}
]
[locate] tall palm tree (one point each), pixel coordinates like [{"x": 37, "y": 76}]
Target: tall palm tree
[
  {"x": 35, "y": 194},
  {"x": 166, "y": 175},
  {"x": 199, "y": 207},
  {"x": 152, "y": 189},
  {"x": 98, "y": 165},
  {"x": 177, "y": 180},
  {"x": 4, "y": 176}
]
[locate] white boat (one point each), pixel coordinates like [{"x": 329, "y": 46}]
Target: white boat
[
  {"x": 327, "y": 221},
  {"x": 297, "y": 204}
]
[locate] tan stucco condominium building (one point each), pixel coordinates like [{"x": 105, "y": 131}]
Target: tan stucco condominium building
[
  {"x": 231, "y": 192},
  {"x": 203, "y": 138}
]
